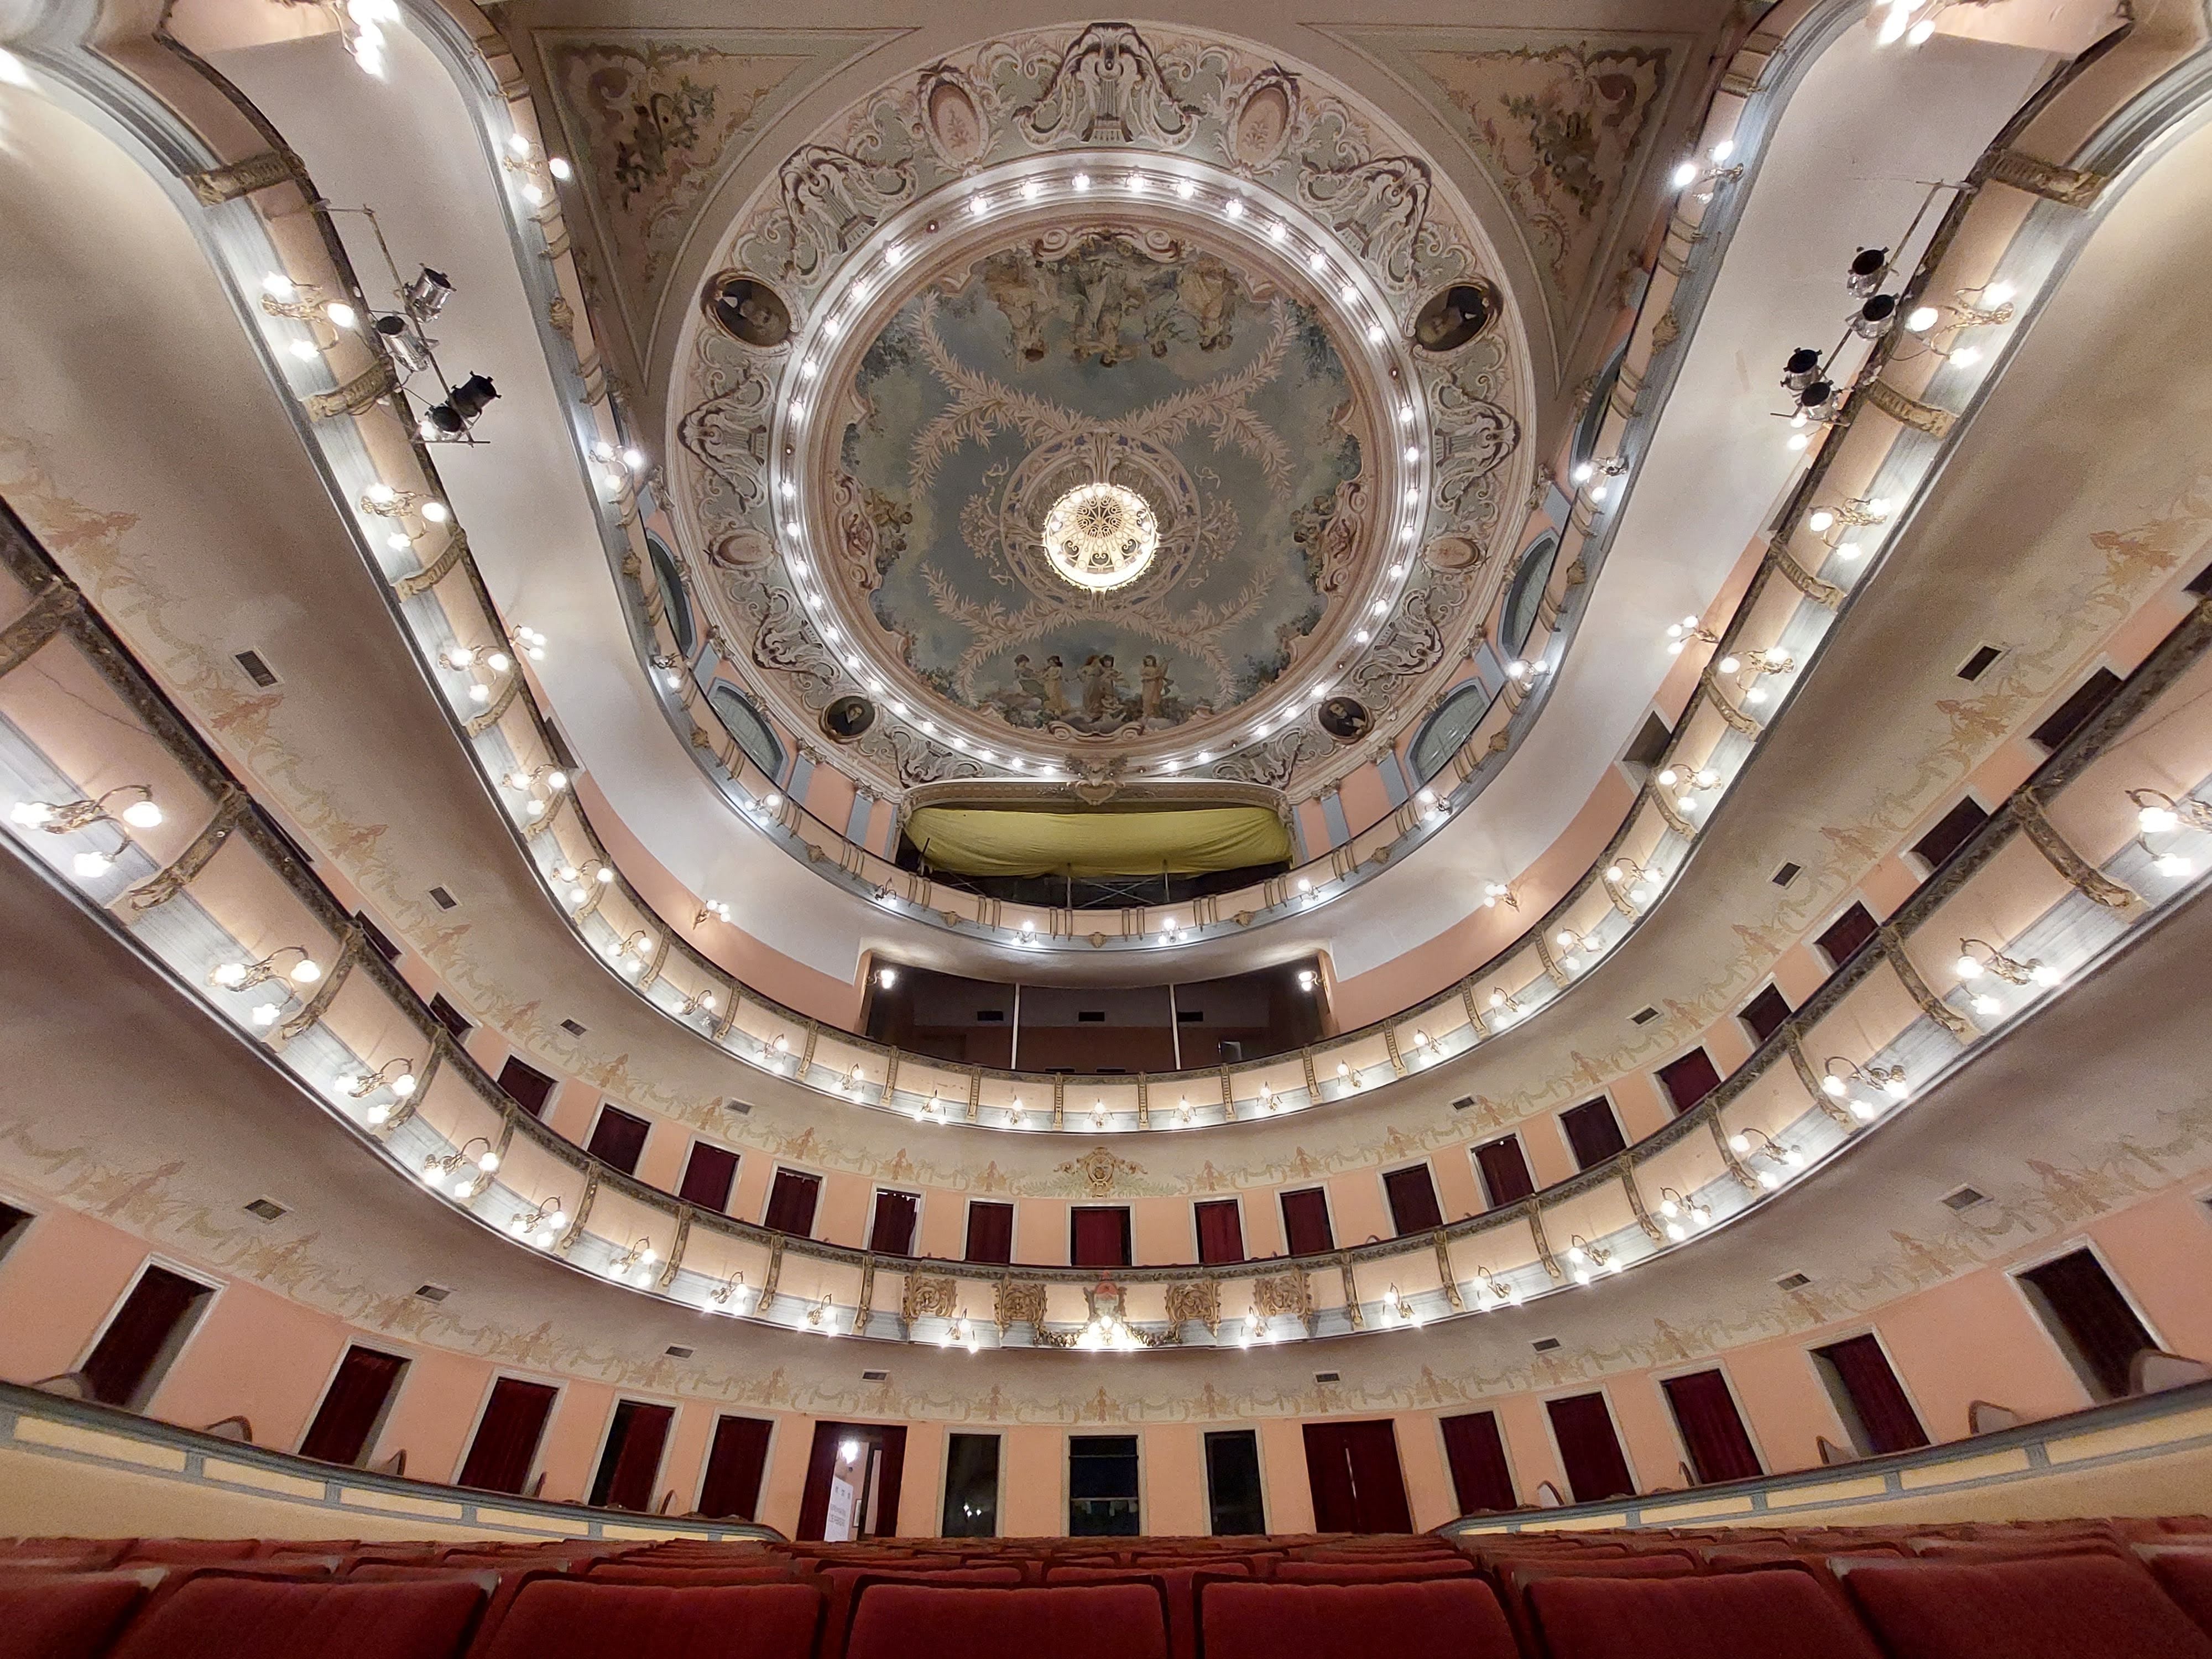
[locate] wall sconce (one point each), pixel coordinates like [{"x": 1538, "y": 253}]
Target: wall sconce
[
  {"x": 2175, "y": 864},
  {"x": 60, "y": 817},
  {"x": 729, "y": 1297},
  {"x": 1503, "y": 1005},
  {"x": 466, "y": 1174},
  {"x": 397, "y": 1075},
  {"x": 1499, "y": 1294},
  {"x": 1676, "y": 1211},
  {"x": 717, "y": 909},
  {"x": 1841, "y": 1073},
  {"x": 1707, "y": 176},
  {"x": 1978, "y": 957},
  {"x": 1495, "y": 893},
  {"x": 383, "y": 502},
  {"x": 1674, "y": 777},
  {"x": 668, "y": 670},
  {"x": 823, "y": 1316},
  {"x": 1680, "y": 633},
  {"x": 1348, "y": 1074},
  {"x": 1972, "y": 307},
  {"x": 697, "y": 1002},
  {"x": 1574, "y": 947},
  {"x": 2158, "y": 813},
  {"x": 634, "y": 1264},
  {"x": 243, "y": 975},
  {"x": 593, "y": 871},
  {"x": 1627, "y": 875},
  {"x": 551, "y": 777},
  {"x": 1589, "y": 1260},
  {"x": 630, "y": 956},
  {"x": 1757, "y": 1143},
  {"x": 541, "y": 1224},
  {"x": 1753, "y": 664},
  {"x": 463, "y": 657},
  {"x": 1859, "y": 513},
  {"x": 958, "y": 1329},
  {"x": 1396, "y": 1310}
]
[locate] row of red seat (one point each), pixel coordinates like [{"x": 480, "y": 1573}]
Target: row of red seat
[{"x": 2077, "y": 1591}]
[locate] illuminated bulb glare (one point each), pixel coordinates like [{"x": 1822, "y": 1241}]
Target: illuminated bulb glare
[
  {"x": 1234, "y": 207},
  {"x": 1921, "y": 318}
]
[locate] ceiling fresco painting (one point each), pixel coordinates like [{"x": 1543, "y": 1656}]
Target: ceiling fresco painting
[{"x": 1109, "y": 357}]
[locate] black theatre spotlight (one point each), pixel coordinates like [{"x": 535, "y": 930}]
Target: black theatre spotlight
[{"x": 1868, "y": 268}]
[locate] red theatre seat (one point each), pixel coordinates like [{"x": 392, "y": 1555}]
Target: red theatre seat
[
  {"x": 842, "y": 1583},
  {"x": 578, "y": 1619},
  {"x": 1458, "y": 1617},
  {"x": 1736, "y": 1615},
  {"x": 1082, "y": 1621},
  {"x": 1177, "y": 1583},
  {"x": 2185, "y": 1575},
  {"x": 1374, "y": 1573},
  {"x": 2087, "y": 1606},
  {"x": 64, "y": 1617},
  {"x": 216, "y": 1617}
]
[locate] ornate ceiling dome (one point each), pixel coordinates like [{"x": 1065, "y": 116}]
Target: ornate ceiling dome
[{"x": 1219, "y": 318}]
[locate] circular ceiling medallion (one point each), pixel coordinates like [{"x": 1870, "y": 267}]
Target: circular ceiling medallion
[{"x": 1100, "y": 537}]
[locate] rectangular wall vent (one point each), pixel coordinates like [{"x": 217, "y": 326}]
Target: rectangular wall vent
[
  {"x": 1964, "y": 1199},
  {"x": 442, "y": 899},
  {"x": 1463, "y": 1103},
  {"x": 1329, "y": 1376},
  {"x": 742, "y": 1108},
  {"x": 1644, "y": 1016},
  {"x": 1091, "y": 1015},
  {"x": 678, "y": 1350},
  {"x": 1978, "y": 665},
  {"x": 1791, "y": 1282},
  {"x": 433, "y": 1292},
  {"x": 990, "y": 1016},
  {"x": 256, "y": 669},
  {"x": 572, "y": 1028},
  {"x": 1788, "y": 873},
  {"x": 266, "y": 1209},
  {"x": 875, "y": 1376},
  {"x": 1545, "y": 1345}
]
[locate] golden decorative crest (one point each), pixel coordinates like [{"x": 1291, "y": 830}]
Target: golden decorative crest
[
  {"x": 1019, "y": 1304},
  {"x": 925, "y": 1297},
  {"x": 1098, "y": 1169},
  {"x": 1198, "y": 1299}
]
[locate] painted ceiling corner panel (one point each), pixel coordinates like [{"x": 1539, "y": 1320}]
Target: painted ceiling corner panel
[
  {"x": 1561, "y": 123},
  {"x": 656, "y": 119}
]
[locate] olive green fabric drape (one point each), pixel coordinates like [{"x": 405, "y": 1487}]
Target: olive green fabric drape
[{"x": 972, "y": 840}]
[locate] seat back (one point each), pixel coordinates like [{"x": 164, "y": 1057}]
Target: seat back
[
  {"x": 2185, "y": 1573},
  {"x": 1736, "y": 1615},
  {"x": 572, "y": 1618},
  {"x": 1374, "y": 1573},
  {"x": 2054, "y": 1606},
  {"x": 66, "y": 1615},
  {"x": 225, "y": 1616},
  {"x": 842, "y": 1585},
  {"x": 912, "y": 1620},
  {"x": 1177, "y": 1584},
  {"x": 1458, "y": 1617}
]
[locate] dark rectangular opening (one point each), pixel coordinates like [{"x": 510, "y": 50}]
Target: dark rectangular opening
[
  {"x": 735, "y": 1463},
  {"x": 990, "y": 1232},
  {"x": 1412, "y": 1194},
  {"x": 1305, "y": 1223},
  {"x": 450, "y": 1016},
  {"x": 1763, "y": 1015},
  {"x": 631, "y": 1457},
  {"x": 791, "y": 1203},
  {"x": 1593, "y": 1133},
  {"x": 867, "y": 1461},
  {"x": 2090, "y": 1320},
  {"x": 2088, "y": 699},
  {"x": 618, "y": 1138},
  {"x": 354, "y": 1406},
  {"x": 379, "y": 941},
  {"x": 1689, "y": 1079},
  {"x": 1712, "y": 1429},
  {"x": 1651, "y": 740},
  {"x": 1102, "y": 1485},
  {"x": 14, "y": 1223},
  {"x": 525, "y": 1086},
  {"x": 1190, "y": 1016},
  {"x": 1098, "y": 1236},
  {"x": 2201, "y": 583},
  {"x": 971, "y": 1486},
  {"x": 1978, "y": 665},
  {"x": 709, "y": 1175},
  {"x": 1220, "y": 1231},
  {"x": 1482, "y": 1481},
  {"x": 1504, "y": 1169},
  {"x": 1091, "y": 1016},
  {"x": 1847, "y": 934},
  {"x": 892, "y": 1232},
  {"x": 1589, "y": 1449},
  {"x": 1869, "y": 1397},
  {"x": 1232, "y": 1484},
  {"x": 1952, "y": 831},
  {"x": 506, "y": 1443},
  {"x": 143, "y": 1339},
  {"x": 1357, "y": 1486}
]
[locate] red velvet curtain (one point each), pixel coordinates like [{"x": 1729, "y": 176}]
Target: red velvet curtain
[
  {"x": 1504, "y": 1169},
  {"x": 353, "y": 1401},
  {"x": 2091, "y": 1310},
  {"x": 1098, "y": 1237},
  {"x": 133, "y": 1343},
  {"x": 1481, "y": 1478},
  {"x": 643, "y": 1435},
  {"x": 892, "y": 1233},
  {"x": 1590, "y": 1449},
  {"x": 1846, "y": 933},
  {"x": 1593, "y": 1131},
  {"x": 709, "y": 1175},
  {"x": 1220, "y": 1232},
  {"x": 506, "y": 1445},
  {"x": 1712, "y": 1427},
  {"x": 618, "y": 1138},
  {"x": 990, "y": 1232},
  {"x": 735, "y": 1464},
  {"x": 1690, "y": 1078},
  {"x": 1305, "y": 1223},
  {"x": 1875, "y": 1393},
  {"x": 1352, "y": 1468},
  {"x": 1413, "y": 1208},
  {"x": 525, "y": 1086},
  {"x": 791, "y": 1203}
]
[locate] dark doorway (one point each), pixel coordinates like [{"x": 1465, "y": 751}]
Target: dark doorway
[
  {"x": 853, "y": 1482},
  {"x": 1356, "y": 1483},
  {"x": 971, "y": 1486},
  {"x": 631, "y": 1457},
  {"x": 1232, "y": 1483}
]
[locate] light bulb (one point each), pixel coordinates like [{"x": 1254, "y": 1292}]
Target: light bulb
[
  {"x": 377, "y": 1112},
  {"x": 1668, "y": 778},
  {"x": 141, "y": 815},
  {"x": 230, "y": 975},
  {"x": 404, "y": 1085},
  {"x": 1769, "y": 1179},
  {"x": 2152, "y": 820},
  {"x": 1923, "y": 318},
  {"x": 488, "y": 1162},
  {"x": 1969, "y": 968},
  {"x": 1988, "y": 1005},
  {"x": 306, "y": 973},
  {"x": 1686, "y": 174},
  {"x": 266, "y": 1014},
  {"x": 1739, "y": 1143},
  {"x": 1819, "y": 519},
  {"x": 1832, "y": 1085}
]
